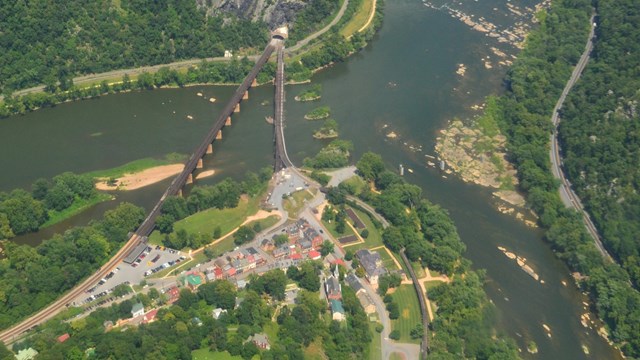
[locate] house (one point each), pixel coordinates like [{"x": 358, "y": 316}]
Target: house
[
  {"x": 230, "y": 271},
  {"x": 372, "y": 264},
  {"x": 64, "y": 337},
  {"x": 173, "y": 295},
  {"x": 294, "y": 233},
  {"x": 241, "y": 284},
  {"x": 261, "y": 340},
  {"x": 367, "y": 302},
  {"x": 337, "y": 311},
  {"x": 137, "y": 310},
  {"x": 313, "y": 236},
  {"x": 281, "y": 251},
  {"x": 355, "y": 284},
  {"x": 150, "y": 316},
  {"x": 305, "y": 245},
  {"x": 108, "y": 324},
  {"x": 251, "y": 251},
  {"x": 216, "y": 313},
  {"x": 26, "y": 354},
  {"x": 314, "y": 255},
  {"x": 296, "y": 256},
  {"x": 196, "y": 321},
  {"x": 267, "y": 245},
  {"x": 192, "y": 280},
  {"x": 221, "y": 263},
  {"x": 332, "y": 288}
]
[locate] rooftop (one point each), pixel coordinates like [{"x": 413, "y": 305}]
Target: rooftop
[{"x": 336, "y": 306}]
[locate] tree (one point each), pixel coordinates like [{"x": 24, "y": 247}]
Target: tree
[
  {"x": 308, "y": 277},
  {"x": 40, "y": 188},
  {"x": 394, "y": 335},
  {"x": 217, "y": 232},
  {"x": 164, "y": 223},
  {"x": 243, "y": 235},
  {"x": 364, "y": 233},
  {"x": 327, "y": 248},
  {"x": 370, "y": 166},
  {"x": 220, "y": 293},
  {"x": 394, "y": 310},
  {"x": 417, "y": 332},
  {"x": 348, "y": 255},
  {"x": 280, "y": 239}
]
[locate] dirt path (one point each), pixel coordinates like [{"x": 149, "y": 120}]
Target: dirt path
[
  {"x": 142, "y": 178},
  {"x": 373, "y": 13}
]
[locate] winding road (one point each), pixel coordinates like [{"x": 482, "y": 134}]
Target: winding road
[
  {"x": 568, "y": 196},
  {"x": 117, "y": 74}
]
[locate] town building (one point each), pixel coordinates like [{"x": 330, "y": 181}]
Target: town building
[
  {"x": 367, "y": 302},
  {"x": 372, "y": 264},
  {"x": 355, "y": 283},
  {"x": 216, "y": 313},
  {"x": 332, "y": 287},
  {"x": 137, "y": 310},
  {"x": 314, "y": 255},
  {"x": 337, "y": 311},
  {"x": 267, "y": 245},
  {"x": 64, "y": 337},
  {"x": 261, "y": 340},
  {"x": 173, "y": 294},
  {"x": 27, "y": 354}
]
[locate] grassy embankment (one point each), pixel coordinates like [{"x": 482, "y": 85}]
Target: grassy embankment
[
  {"x": 206, "y": 354},
  {"x": 321, "y": 112},
  {"x": 359, "y": 19},
  {"x": 405, "y": 297},
  {"x": 79, "y": 205},
  {"x": 137, "y": 166}
]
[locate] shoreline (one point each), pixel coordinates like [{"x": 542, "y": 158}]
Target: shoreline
[{"x": 140, "y": 179}]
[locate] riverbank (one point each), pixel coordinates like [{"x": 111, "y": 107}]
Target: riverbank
[{"x": 133, "y": 181}]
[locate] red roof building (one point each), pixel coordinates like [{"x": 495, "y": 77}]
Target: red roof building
[
  {"x": 63, "y": 338},
  {"x": 314, "y": 255},
  {"x": 218, "y": 273},
  {"x": 296, "y": 256},
  {"x": 150, "y": 316},
  {"x": 173, "y": 294}
]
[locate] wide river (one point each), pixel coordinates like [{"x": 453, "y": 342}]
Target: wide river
[{"x": 405, "y": 81}]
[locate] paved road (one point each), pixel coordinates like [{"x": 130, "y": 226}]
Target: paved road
[
  {"x": 567, "y": 194},
  {"x": 318, "y": 33}
]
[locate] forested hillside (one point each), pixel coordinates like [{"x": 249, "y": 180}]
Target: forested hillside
[
  {"x": 603, "y": 148},
  {"x": 600, "y": 132},
  {"x": 51, "y": 41}
]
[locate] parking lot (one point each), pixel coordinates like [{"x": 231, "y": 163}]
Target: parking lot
[{"x": 154, "y": 257}]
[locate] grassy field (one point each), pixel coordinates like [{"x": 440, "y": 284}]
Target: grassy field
[
  {"x": 332, "y": 229},
  {"x": 357, "y": 182},
  {"x": 375, "y": 236},
  {"x": 78, "y": 206},
  {"x": 206, "y": 354},
  {"x": 205, "y": 222},
  {"x": 375, "y": 348},
  {"x": 137, "y": 166},
  {"x": 396, "y": 356},
  {"x": 410, "y": 315},
  {"x": 295, "y": 203},
  {"x": 387, "y": 261},
  {"x": 359, "y": 19},
  {"x": 314, "y": 351}
]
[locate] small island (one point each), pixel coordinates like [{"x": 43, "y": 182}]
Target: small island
[
  {"x": 321, "y": 112},
  {"x": 329, "y": 130},
  {"x": 311, "y": 94}
]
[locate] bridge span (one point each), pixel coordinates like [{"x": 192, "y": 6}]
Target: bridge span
[
  {"x": 281, "y": 158},
  {"x": 185, "y": 177}
]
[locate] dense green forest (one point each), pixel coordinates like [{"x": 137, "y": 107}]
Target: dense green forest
[
  {"x": 31, "y": 278},
  {"x": 534, "y": 84},
  {"x": 49, "y": 43},
  {"x": 22, "y": 212},
  {"x": 600, "y": 132}
]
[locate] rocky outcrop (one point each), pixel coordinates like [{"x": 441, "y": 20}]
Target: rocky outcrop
[{"x": 273, "y": 12}]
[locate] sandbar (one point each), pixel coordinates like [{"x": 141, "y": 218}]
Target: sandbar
[{"x": 142, "y": 178}]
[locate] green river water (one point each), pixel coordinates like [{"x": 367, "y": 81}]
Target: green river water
[{"x": 404, "y": 79}]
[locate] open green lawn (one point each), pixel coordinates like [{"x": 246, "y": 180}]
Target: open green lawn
[
  {"x": 359, "y": 19},
  {"x": 396, "y": 356},
  {"x": 375, "y": 348},
  {"x": 387, "y": 261},
  {"x": 79, "y": 205},
  {"x": 357, "y": 183},
  {"x": 332, "y": 229},
  {"x": 410, "y": 316},
  {"x": 204, "y": 222},
  {"x": 375, "y": 236},
  {"x": 206, "y": 354},
  {"x": 137, "y": 166},
  {"x": 294, "y": 203}
]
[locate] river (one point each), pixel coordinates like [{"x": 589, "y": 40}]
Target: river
[{"x": 405, "y": 79}]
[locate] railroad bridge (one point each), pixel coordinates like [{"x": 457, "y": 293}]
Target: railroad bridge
[{"x": 139, "y": 237}]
